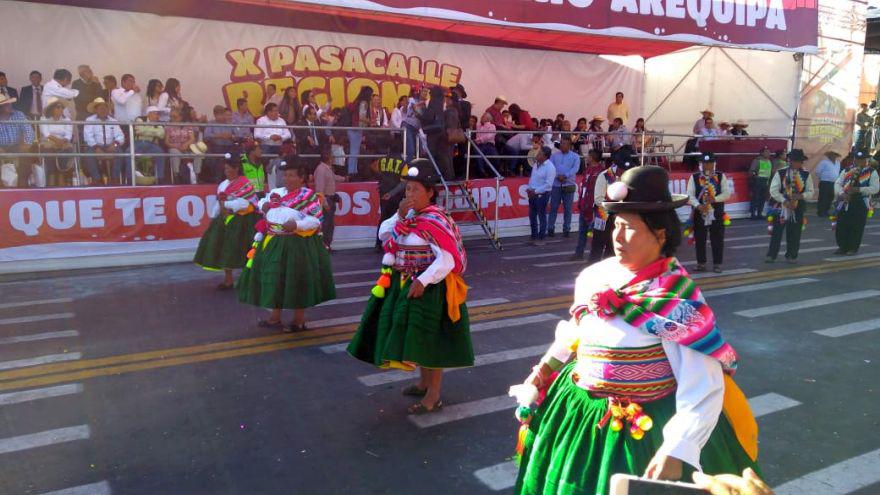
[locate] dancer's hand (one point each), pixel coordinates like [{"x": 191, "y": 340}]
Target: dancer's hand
[
  {"x": 290, "y": 226},
  {"x": 539, "y": 375},
  {"x": 730, "y": 484},
  {"x": 416, "y": 289},
  {"x": 664, "y": 467}
]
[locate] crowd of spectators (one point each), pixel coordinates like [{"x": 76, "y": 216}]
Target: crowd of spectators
[{"x": 432, "y": 120}]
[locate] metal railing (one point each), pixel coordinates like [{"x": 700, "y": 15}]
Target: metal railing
[{"x": 77, "y": 153}]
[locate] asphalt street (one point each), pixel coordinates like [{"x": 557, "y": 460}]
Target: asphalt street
[{"x": 150, "y": 381}]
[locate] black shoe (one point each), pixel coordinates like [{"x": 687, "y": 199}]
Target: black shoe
[{"x": 551, "y": 234}]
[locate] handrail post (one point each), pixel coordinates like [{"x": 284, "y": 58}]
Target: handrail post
[
  {"x": 403, "y": 135},
  {"x": 467, "y": 158},
  {"x": 642, "y": 157},
  {"x": 131, "y": 153},
  {"x": 497, "y": 187}
]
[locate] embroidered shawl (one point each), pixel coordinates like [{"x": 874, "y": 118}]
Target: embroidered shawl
[{"x": 436, "y": 227}]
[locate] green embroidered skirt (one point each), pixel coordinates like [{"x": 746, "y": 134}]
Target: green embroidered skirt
[
  {"x": 396, "y": 331},
  {"x": 225, "y": 244},
  {"x": 565, "y": 453},
  {"x": 288, "y": 272}
]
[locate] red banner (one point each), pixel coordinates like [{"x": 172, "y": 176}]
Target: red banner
[
  {"x": 148, "y": 214},
  {"x": 769, "y": 24}
]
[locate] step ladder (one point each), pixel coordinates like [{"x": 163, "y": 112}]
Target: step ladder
[{"x": 458, "y": 198}]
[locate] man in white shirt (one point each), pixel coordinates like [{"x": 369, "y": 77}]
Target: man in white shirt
[
  {"x": 618, "y": 109},
  {"x": 518, "y": 145},
  {"x": 790, "y": 190},
  {"x": 58, "y": 88},
  {"x": 709, "y": 132},
  {"x": 707, "y": 191},
  {"x": 619, "y": 135},
  {"x": 271, "y": 138},
  {"x": 826, "y": 173},
  {"x": 127, "y": 100},
  {"x": 103, "y": 135},
  {"x": 538, "y": 191}
]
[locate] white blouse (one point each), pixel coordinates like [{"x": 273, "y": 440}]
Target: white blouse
[
  {"x": 283, "y": 214},
  {"x": 235, "y": 204},
  {"x": 438, "y": 270},
  {"x": 700, "y": 380},
  {"x": 57, "y": 128}
]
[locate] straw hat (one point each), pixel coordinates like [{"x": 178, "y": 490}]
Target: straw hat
[
  {"x": 199, "y": 148},
  {"x": 597, "y": 118},
  {"x": 94, "y": 104},
  {"x": 741, "y": 123},
  {"x": 710, "y": 112},
  {"x": 501, "y": 98}
]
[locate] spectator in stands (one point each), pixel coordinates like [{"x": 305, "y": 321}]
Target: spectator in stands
[
  {"x": 89, "y": 87},
  {"x": 557, "y": 124},
  {"x": 507, "y": 120},
  {"x": 700, "y": 124},
  {"x": 5, "y": 90},
  {"x": 411, "y": 123},
  {"x": 566, "y": 163},
  {"x": 56, "y": 136},
  {"x": 58, "y": 88},
  {"x": 271, "y": 138},
  {"x": 272, "y": 95},
  {"x": 178, "y": 139},
  {"x": 311, "y": 141},
  {"x": 110, "y": 84},
  {"x": 723, "y": 129},
  {"x": 325, "y": 186},
  {"x": 148, "y": 139},
  {"x": 619, "y": 135},
  {"x": 637, "y": 136},
  {"x": 220, "y": 140},
  {"x": 522, "y": 120},
  {"x": 155, "y": 88},
  {"x": 517, "y": 146},
  {"x": 495, "y": 111},
  {"x": 739, "y": 128},
  {"x": 14, "y": 138},
  {"x": 243, "y": 119},
  {"x": 378, "y": 140},
  {"x": 485, "y": 140},
  {"x": 709, "y": 131},
  {"x": 103, "y": 135},
  {"x": 307, "y": 99},
  {"x": 580, "y": 137},
  {"x": 452, "y": 127},
  {"x": 127, "y": 100},
  {"x": 538, "y": 191},
  {"x": 170, "y": 98},
  {"x": 30, "y": 101},
  {"x": 597, "y": 134},
  {"x": 289, "y": 107},
  {"x": 618, "y": 109},
  {"x": 359, "y": 110},
  {"x": 433, "y": 121},
  {"x": 398, "y": 113}
]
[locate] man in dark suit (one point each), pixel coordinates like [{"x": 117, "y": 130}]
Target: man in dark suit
[
  {"x": 309, "y": 141},
  {"x": 5, "y": 90},
  {"x": 30, "y": 101}
]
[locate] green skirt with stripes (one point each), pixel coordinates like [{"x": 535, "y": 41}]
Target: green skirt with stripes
[
  {"x": 288, "y": 272},
  {"x": 396, "y": 331},
  {"x": 565, "y": 452},
  {"x": 225, "y": 244}
]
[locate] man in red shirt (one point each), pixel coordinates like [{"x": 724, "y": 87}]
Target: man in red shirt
[
  {"x": 495, "y": 112},
  {"x": 585, "y": 202}
]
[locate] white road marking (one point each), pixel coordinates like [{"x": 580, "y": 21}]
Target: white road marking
[
  {"x": 368, "y": 283},
  {"x": 384, "y": 378},
  {"x": 850, "y": 328},
  {"x": 464, "y": 410},
  {"x": 30, "y": 319},
  {"x": 49, "y": 358},
  {"x": 756, "y": 287},
  {"x": 344, "y": 300},
  {"x": 39, "y": 393},
  {"x": 471, "y": 304},
  {"x": 854, "y": 257},
  {"x": 35, "y": 303},
  {"x": 39, "y": 336},
  {"x": 808, "y": 303},
  {"x": 765, "y": 244},
  {"x": 562, "y": 263},
  {"x": 538, "y": 255},
  {"x": 838, "y": 479},
  {"x": 100, "y": 488},
  {"x": 358, "y": 272},
  {"x": 44, "y": 439},
  {"x": 746, "y": 238},
  {"x": 476, "y": 327},
  {"x": 735, "y": 271},
  {"x": 503, "y": 476},
  {"x": 826, "y": 248},
  {"x": 329, "y": 322}
]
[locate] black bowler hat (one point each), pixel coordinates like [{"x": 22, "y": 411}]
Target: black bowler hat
[
  {"x": 707, "y": 157},
  {"x": 421, "y": 171},
  {"x": 797, "y": 155},
  {"x": 644, "y": 188},
  {"x": 862, "y": 153}
]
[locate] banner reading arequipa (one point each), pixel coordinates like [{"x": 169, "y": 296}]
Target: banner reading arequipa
[{"x": 768, "y": 24}]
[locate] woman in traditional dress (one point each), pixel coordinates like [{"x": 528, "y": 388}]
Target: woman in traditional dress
[
  {"x": 417, "y": 315},
  {"x": 290, "y": 268},
  {"x": 645, "y": 393},
  {"x": 225, "y": 244}
]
